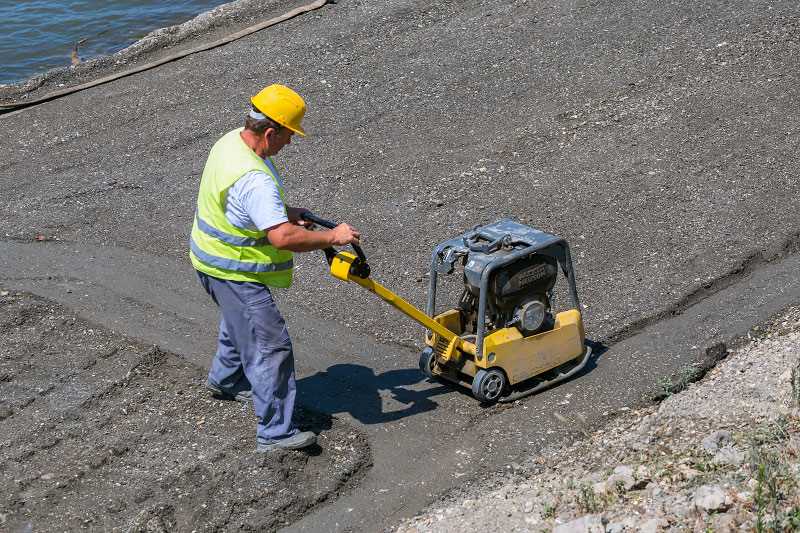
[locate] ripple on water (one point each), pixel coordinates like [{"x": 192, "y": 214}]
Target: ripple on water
[{"x": 39, "y": 35}]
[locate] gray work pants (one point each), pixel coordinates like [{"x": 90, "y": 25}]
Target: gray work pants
[{"x": 254, "y": 352}]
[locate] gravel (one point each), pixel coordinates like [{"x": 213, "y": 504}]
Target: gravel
[{"x": 101, "y": 432}]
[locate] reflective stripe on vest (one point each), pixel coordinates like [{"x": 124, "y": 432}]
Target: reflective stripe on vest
[
  {"x": 231, "y": 264},
  {"x": 208, "y": 229}
]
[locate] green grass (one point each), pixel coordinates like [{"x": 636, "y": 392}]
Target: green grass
[
  {"x": 776, "y": 486},
  {"x": 669, "y": 385},
  {"x": 587, "y": 500}
]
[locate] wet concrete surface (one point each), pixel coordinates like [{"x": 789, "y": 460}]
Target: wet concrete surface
[{"x": 659, "y": 138}]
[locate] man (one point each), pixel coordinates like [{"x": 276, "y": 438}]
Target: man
[{"x": 242, "y": 241}]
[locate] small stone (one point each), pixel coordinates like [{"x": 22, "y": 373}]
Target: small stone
[
  {"x": 624, "y": 470},
  {"x": 680, "y": 506},
  {"x": 155, "y": 525},
  {"x": 793, "y": 445},
  {"x": 620, "y": 482},
  {"x": 47, "y": 477},
  {"x": 590, "y": 523},
  {"x": 711, "y": 498},
  {"x": 653, "y": 525},
  {"x": 527, "y": 507},
  {"x": 626, "y": 524},
  {"x": 716, "y": 440},
  {"x": 728, "y": 455},
  {"x": 653, "y": 490},
  {"x": 601, "y": 488},
  {"x": 723, "y": 523},
  {"x": 532, "y": 520},
  {"x": 687, "y": 472}
]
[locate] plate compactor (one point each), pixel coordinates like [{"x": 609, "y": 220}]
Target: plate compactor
[{"x": 503, "y": 340}]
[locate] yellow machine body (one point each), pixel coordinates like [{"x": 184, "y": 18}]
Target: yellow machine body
[{"x": 521, "y": 358}]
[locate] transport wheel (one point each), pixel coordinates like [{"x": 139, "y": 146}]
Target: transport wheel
[
  {"x": 427, "y": 361},
  {"x": 489, "y": 385}
]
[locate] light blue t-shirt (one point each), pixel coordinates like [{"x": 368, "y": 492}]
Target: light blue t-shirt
[{"x": 254, "y": 203}]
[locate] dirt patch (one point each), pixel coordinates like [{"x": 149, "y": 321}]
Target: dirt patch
[{"x": 104, "y": 433}]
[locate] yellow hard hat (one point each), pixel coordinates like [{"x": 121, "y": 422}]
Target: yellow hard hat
[{"x": 282, "y": 105}]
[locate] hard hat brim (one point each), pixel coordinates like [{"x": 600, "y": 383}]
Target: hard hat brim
[{"x": 298, "y": 130}]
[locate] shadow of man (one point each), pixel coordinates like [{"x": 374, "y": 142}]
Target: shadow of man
[{"x": 356, "y": 389}]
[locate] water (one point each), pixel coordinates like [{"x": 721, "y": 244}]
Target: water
[{"x": 38, "y": 35}]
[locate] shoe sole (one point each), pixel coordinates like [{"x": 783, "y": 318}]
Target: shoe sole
[
  {"x": 266, "y": 448},
  {"x": 217, "y": 394}
]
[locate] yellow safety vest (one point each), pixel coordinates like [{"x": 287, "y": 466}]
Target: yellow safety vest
[{"x": 221, "y": 249}]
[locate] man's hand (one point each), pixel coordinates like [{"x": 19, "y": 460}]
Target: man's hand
[{"x": 344, "y": 234}]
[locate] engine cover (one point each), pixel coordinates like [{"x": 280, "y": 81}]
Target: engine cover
[
  {"x": 518, "y": 291},
  {"x": 522, "y": 279},
  {"x": 511, "y": 284}
]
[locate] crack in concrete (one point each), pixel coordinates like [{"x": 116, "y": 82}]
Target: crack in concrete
[{"x": 750, "y": 264}]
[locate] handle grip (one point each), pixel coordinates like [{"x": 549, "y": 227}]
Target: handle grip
[
  {"x": 311, "y": 217},
  {"x": 359, "y": 267}
]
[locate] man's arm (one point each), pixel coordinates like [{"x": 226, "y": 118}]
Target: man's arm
[
  {"x": 289, "y": 236},
  {"x": 262, "y": 202}
]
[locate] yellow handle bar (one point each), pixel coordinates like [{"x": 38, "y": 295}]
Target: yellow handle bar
[{"x": 340, "y": 269}]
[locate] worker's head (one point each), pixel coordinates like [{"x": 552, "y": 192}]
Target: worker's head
[
  {"x": 268, "y": 137},
  {"x": 276, "y": 115}
]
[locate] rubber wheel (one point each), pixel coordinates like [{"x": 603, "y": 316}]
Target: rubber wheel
[
  {"x": 489, "y": 385},
  {"x": 427, "y": 360}
]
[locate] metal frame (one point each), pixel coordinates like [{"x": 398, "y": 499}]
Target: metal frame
[{"x": 505, "y": 230}]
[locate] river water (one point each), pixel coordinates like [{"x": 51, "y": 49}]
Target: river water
[{"x": 38, "y": 35}]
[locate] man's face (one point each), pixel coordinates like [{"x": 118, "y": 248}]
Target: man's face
[{"x": 277, "y": 140}]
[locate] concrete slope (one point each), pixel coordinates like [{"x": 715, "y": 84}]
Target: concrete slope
[{"x": 659, "y": 138}]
